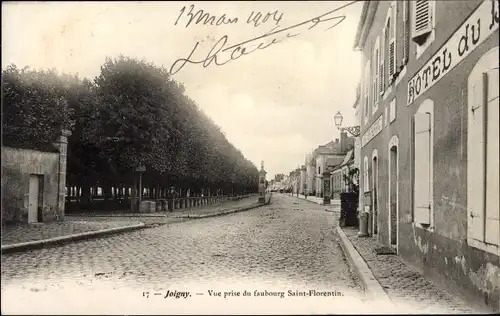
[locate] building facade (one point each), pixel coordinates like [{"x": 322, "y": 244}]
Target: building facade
[
  {"x": 429, "y": 138},
  {"x": 303, "y": 177},
  {"x": 310, "y": 173}
]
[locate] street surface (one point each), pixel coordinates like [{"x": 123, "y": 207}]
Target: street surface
[{"x": 287, "y": 248}]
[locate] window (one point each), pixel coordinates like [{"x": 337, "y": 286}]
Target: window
[
  {"x": 392, "y": 42},
  {"x": 388, "y": 62},
  {"x": 423, "y": 164},
  {"x": 366, "y": 88},
  {"x": 483, "y": 154},
  {"x": 366, "y": 186},
  {"x": 385, "y": 44},
  {"x": 423, "y": 24},
  {"x": 376, "y": 69},
  {"x": 406, "y": 31},
  {"x": 392, "y": 110}
]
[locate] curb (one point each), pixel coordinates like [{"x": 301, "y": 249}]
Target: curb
[
  {"x": 37, "y": 244},
  {"x": 373, "y": 289}
]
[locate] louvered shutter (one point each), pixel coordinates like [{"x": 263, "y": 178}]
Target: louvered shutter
[
  {"x": 475, "y": 160},
  {"x": 382, "y": 78},
  {"x": 392, "y": 59},
  {"x": 406, "y": 31},
  {"x": 365, "y": 175},
  {"x": 421, "y": 20},
  {"x": 422, "y": 142},
  {"x": 381, "y": 67},
  {"x": 377, "y": 74},
  {"x": 367, "y": 87},
  {"x": 392, "y": 45},
  {"x": 492, "y": 233}
]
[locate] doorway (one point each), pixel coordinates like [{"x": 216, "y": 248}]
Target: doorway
[
  {"x": 374, "y": 222},
  {"x": 35, "y": 201},
  {"x": 393, "y": 195}
]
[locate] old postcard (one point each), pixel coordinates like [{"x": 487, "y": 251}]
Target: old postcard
[{"x": 250, "y": 157}]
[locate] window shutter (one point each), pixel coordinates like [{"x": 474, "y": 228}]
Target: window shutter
[
  {"x": 366, "y": 105},
  {"x": 382, "y": 78},
  {"x": 422, "y": 161},
  {"x": 376, "y": 77},
  {"x": 392, "y": 61},
  {"x": 421, "y": 20},
  {"x": 381, "y": 66},
  {"x": 367, "y": 183},
  {"x": 492, "y": 234},
  {"x": 475, "y": 160},
  {"x": 406, "y": 31},
  {"x": 392, "y": 45},
  {"x": 367, "y": 89}
]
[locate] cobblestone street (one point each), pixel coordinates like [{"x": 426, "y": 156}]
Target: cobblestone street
[{"x": 288, "y": 245}]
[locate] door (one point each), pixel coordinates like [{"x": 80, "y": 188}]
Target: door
[
  {"x": 393, "y": 189},
  {"x": 34, "y": 191},
  {"x": 374, "y": 223}
]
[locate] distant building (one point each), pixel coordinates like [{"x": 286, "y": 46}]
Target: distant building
[
  {"x": 339, "y": 172},
  {"x": 303, "y": 176},
  {"x": 330, "y": 154}
]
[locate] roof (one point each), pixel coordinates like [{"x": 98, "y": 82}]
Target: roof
[
  {"x": 365, "y": 20},
  {"x": 349, "y": 156},
  {"x": 334, "y": 161},
  {"x": 330, "y": 148}
]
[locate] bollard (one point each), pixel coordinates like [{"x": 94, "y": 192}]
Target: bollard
[{"x": 363, "y": 224}]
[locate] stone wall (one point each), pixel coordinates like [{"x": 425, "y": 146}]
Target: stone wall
[{"x": 17, "y": 166}]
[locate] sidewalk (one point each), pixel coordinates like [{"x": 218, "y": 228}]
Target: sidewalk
[
  {"x": 333, "y": 206},
  {"x": 18, "y": 237},
  {"x": 407, "y": 289}
]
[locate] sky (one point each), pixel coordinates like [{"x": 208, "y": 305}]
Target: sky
[{"x": 274, "y": 104}]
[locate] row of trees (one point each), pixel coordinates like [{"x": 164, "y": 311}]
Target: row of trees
[{"x": 133, "y": 114}]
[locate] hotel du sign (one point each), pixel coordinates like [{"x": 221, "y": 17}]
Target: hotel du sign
[{"x": 474, "y": 31}]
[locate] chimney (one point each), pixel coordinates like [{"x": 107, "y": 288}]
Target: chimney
[
  {"x": 336, "y": 140},
  {"x": 343, "y": 142}
]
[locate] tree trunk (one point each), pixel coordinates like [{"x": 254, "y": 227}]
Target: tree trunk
[
  {"x": 107, "y": 192},
  {"x": 85, "y": 195},
  {"x": 133, "y": 202}
]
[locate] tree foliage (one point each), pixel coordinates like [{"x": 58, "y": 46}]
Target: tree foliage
[
  {"x": 35, "y": 106},
  {"x": 132, "y": 114}
]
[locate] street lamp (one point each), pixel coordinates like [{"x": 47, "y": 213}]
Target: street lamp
[{"x": 353, "y": 130}]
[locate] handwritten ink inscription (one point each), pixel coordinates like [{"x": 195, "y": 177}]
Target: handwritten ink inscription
[
  {"x": 204, "y": 17},
  {"x": 222, "y": 52},
  {"x": 255, "y": 17}
]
